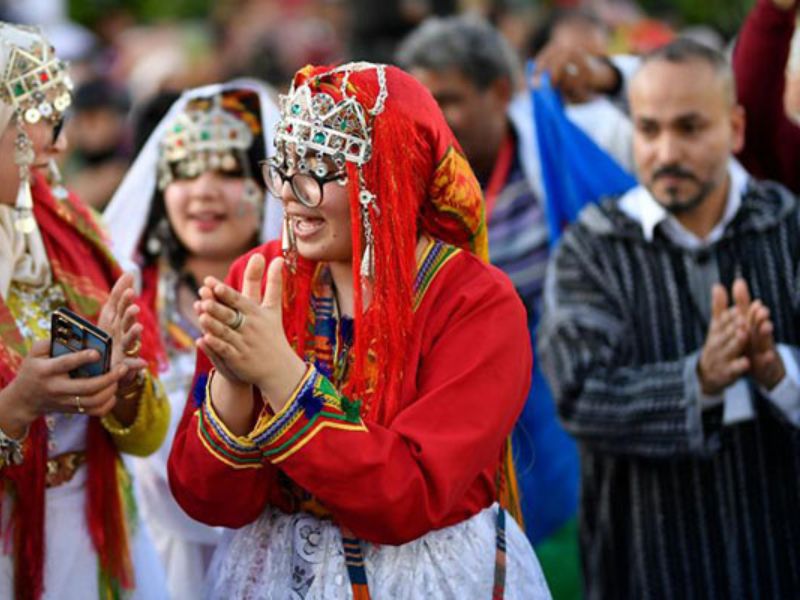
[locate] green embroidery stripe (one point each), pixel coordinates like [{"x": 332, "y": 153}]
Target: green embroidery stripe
[
  {"x": 331, "y": 401},
  {"x": 324, "y": 387},
  {"x": 299, "y": 434},
  {"x": 256, "y": 459},
  {"x": 432, "y": 264}
]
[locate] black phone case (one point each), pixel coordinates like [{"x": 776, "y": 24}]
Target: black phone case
[{"x": 69, "y": 332}]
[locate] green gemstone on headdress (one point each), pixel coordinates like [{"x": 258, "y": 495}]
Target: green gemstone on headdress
[
  {"x": 178, "y": 128},
  {"x": 19, "y": 89},
  {"x": 319, "y": 138},
  {"x": 205, "y": 135},
  {"x": 296, "y": 109}
]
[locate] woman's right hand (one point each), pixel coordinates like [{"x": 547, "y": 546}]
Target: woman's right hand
[{"x": 43, "y": 385}]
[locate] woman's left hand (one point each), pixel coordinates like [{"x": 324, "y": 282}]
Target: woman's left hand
[
  {"x": 118, "y": 319},
  {"x": 256, "y": 351}
]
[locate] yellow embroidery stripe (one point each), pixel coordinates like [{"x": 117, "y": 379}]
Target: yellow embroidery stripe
[
  {"x": 244, "y": 442},
  {"x": 220, "y": 457},
  {"x": 436, "y": 255},
  {"x": 302, "y": 442},
  {"x": 266, "y": 420}
]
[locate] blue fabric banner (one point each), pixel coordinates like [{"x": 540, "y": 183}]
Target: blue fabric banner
[{"x": 575, "y": 170}]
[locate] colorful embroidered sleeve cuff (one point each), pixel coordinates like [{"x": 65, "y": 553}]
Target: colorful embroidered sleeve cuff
[
  {"x": 149, "y": 428},
  {"x": 314, "y": 405},
  {"x": 233, "y": 450}
]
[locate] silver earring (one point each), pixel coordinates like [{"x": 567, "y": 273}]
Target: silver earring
[
  {"x": 367, "y": 200},
  {"x": 288, "y": 242},
  {"x": 56, "y": 181},
  {"x": 24, "y": 221}
]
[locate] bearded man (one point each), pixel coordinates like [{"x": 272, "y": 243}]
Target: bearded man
[{"x": 670, "y": 339}]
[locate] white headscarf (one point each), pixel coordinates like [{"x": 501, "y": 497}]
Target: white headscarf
[
  {"x": 127, "y": 212},
  {"x": 22, "y": 256}
]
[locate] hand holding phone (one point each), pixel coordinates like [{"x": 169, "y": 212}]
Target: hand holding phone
[{"x": 72, "y": 333}]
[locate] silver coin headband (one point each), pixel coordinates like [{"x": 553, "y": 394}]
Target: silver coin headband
[
  {"x": 314, "y": 124},
  {"x": 37, "y": 86},
  {"x": 36, "y": 82},
  {"x": 202, "y": 139}
]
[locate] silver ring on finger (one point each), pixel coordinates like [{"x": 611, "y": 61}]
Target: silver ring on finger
[
  {"x": 571, "y": 69},
  {"x": 78, "y": 405},
  {"x": 238, "y": 320}
]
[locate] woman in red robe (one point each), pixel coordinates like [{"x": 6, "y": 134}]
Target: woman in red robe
[{"x": 353, "y": 397}]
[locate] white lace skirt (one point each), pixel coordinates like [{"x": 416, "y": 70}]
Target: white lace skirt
[{"x": 298, "y": 556}]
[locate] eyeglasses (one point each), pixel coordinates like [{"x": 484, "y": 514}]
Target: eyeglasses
[
  {"x": 58, "y": 127},
  {"x": 306, "y": 187}
]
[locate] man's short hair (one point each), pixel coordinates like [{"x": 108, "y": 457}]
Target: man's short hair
[
  {"x": 685, "y": 50},
  {"x": 464, "y": 43}
]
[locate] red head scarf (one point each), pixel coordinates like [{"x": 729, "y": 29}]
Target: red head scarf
[{"x": 400, "y": 150}]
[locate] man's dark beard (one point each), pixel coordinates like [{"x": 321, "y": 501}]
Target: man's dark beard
[{"x": 673, "y": 206}]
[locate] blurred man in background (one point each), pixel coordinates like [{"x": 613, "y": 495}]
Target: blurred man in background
[
  {"x": 670, "y": 341},
  {"x": 473, "y": 75}
]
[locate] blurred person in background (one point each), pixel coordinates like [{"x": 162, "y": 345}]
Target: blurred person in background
[
  {"x": 100, "y": 139},
  {"x": 573, "y": 28},
  {"x": 69, "y": 517},
  {"x": 670, "y": 340},
  {"x": 271, "y": 40},
  {"x": 377, "y": 28},
  {"x": 473, "y": 74},
  {"x": 165, "y": 56},
  {"x": 572, "y": 46},
  {"x": 192, "y": 202}
]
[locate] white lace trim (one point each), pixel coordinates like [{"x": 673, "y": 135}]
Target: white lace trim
[{"x": 300, "y": 557}]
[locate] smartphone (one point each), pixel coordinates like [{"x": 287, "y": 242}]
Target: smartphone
[{"x": 70, "y": 332}]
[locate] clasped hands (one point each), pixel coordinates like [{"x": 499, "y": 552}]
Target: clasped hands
[
  {"x": 243, "y": 333},
  {"x": 739, "y": 341}
]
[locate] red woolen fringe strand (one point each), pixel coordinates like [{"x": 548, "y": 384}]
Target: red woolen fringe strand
[
  {"x": 28, "y": 517},
  {"x": 104, "y": 511}
]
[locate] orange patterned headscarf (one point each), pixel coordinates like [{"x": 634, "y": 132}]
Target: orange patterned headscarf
[{"x": 410, "y": 162}]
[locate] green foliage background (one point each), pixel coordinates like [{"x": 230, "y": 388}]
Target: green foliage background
[
  {"x": 725, "y": 15},
  {"x": 88, "y": 11}
]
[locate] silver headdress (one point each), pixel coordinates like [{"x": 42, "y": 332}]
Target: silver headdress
[
  {"x": 203, "y": 137},
  {"x": 127, "y": 212},
  {"x": 35, "y": 86},
  {"x": 313, "y": 123}
]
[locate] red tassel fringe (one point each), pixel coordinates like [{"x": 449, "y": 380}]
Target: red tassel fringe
[
  {"x": 28, "y": 517},
  {"x": 384, "y": 311},
  {"x": 104, "y": 511}
]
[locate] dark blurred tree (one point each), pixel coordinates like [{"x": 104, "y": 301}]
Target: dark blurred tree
[
  {"x": 724, "y": 15},
  {"x": 88, "y": 12}
]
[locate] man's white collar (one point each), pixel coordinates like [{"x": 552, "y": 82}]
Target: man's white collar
[{"x": 640, "y": 205}]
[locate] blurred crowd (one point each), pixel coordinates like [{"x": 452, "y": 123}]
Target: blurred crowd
[
  {"x": 666, "y": 377},
  {"x": 124, "y": 68}
]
